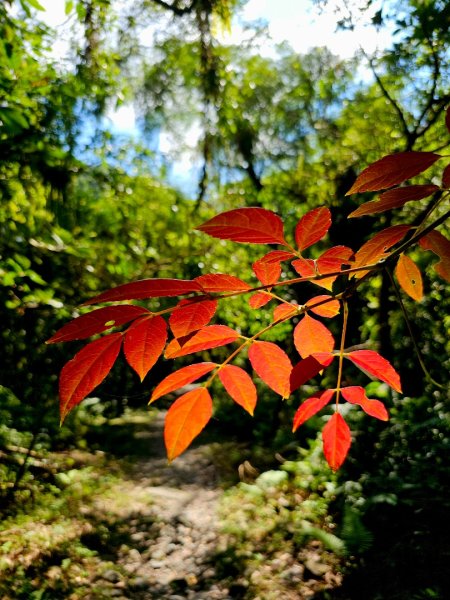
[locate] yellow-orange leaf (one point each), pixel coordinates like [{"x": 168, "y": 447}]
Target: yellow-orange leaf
[
  {"x": 185, "y": 419},
  {"x": 409, "y": 277},
  {"x": 440, "y": 245},
  {"x": 240, "y": 386},
  {"x": 312, "y": 336},
  {"x": 394, "y": 199},
  {"x": 324, "y": 306},
  {"x": 376, "y": 248}
]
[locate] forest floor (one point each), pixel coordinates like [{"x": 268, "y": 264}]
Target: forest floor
[{"x": 148, "y": 531}]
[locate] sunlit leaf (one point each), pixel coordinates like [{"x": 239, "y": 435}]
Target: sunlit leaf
[
  {"x": 218, "y": 282},
  {"x": 97, "y": 321},
  {"x": 87, "y": 369},
  {"x": 305, "y": 267},
  {"x": 329, "y": 308},
  {"x": 267, "y": 272},
  {"x": 284, "y": 310},
  {"x": 310, "y": 407},
  {"x": 144, "y": 342},
  {"x": 394, "y": 199},
  {"x": 185, "y": 419},
  {"x": 253, "y": 225},
  {"x": 211, "y": 336},
  {"x": 308, "y": 368},
  {"x": 409, "y": 277},
  {"x": 272, "y": 364},
  {"x": 312, "y": 227},
  {"x": 357, "y": 395},
  {"x": 147, "y": 288},
  {"x": 182, "y": 377},
  {"x": 392, "y": 170},
  {"x": 191, "y": 315},
  {"x": 440, "y": 245},
  {"x": 374, "y": 364},
  {"x": 312, "y": 336},
  {"x": 259, "y": 299},
  {"x": 377, "y": 247},
  {"x": 336, "y": 441},
  {"x": 240, "y": 386}
]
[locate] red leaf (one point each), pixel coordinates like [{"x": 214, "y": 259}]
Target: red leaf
[
  {"x": 218, "y": 282},
  {"x": 97, "y": 321},
  {"x": 409, "y": 277},
  {"x": 267, "y": 272},
  {"x": 376, "y": 365},
  {"x": 440, "y": 245},
  {"x": 146, "y": 288},
  {"x": 276, "y": 256},
  {"x": 310, "y": 407},
  {"x": 191, "y": 315},
  {"x": 211, "y": 336},
  {"x": 357, "y": 395},
  {"x": 240, "y": 386},
  {"x": 312, "y": 336},
  {"x": 394, "y": 199},
  {"x": 392, "y": 170},
  {"x": 182, "y": 377},
  {"x": 446, "y": 177},
  {"x": 336, "y": 441},
  {"x": 333, "y": 259},
  {"x": 312, "y": 227},
  {"x": 284, "y": 310},
  {"x": 185, "y": 419},
  {"x": 376, "y": 248},
  {"x": 272, "y": 364},
  {"x": 253, "y": 225},
  {"x": 330, "y": 308},
  {"x": 144, "y": 342},
  {"x": 87, "y": 369},
  {"x": 305, "y": 267},
  {"x": 308, "y": 368},
  {"x": 259, "y": 299}
]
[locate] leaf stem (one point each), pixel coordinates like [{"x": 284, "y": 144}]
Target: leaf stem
[{"x": 341, "y": 350}]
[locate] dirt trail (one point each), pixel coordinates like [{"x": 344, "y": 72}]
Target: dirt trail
[{"x": 170, "y": 515}]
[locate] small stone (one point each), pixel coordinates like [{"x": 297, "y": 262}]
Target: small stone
[{"x": 112, "y": 576}]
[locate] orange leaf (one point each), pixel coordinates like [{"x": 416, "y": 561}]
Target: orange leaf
[
  {"x": 357, "y": 395},
  {"x": 409, "y": 277},
  {"x": 376, "y": 248},
  {"x": 392, "y": 170},
  {"x": 240, "y": 386},
  {"x": 96, "y": 321},
  {"x": 440, "y": 245},
  {"x": 336, "y": 441},
  {"x": 272, "y": 364},
  {"x": 267, "y": 272},
  {"x": 144, "y": 342},
  {"x": 211, "y": 336},
  {"x": 182, "y": 377},
  {"x": 310, "y": 407},
  {"x": 312, "y": 227},
  {"x": 185, "y": 419},
  {"x": 146, "y": 288},
  {"x": 284, "y": 310},
  {"x": 312, "y": 336},
  {"x": 276, "y": 256},
  {"x": 308, "y": 368},
  {"x": 253, "y": 225},
  {"x": 87, "y": 369},
  {"x": 376, "y": 365},
  {"x": 218, "y": 282},
  {"x": 191, "y": 315},
  {"x": 329, "y": 308},
  {"x": 331, "y": 261},
  {"x": 394, "y": 199},
  {"x": 259, "y": 299},
  {"x": 305, "y": 267}
]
